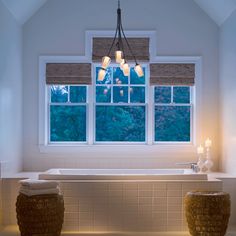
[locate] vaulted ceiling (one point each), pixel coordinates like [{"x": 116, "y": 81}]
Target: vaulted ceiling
[{"x": 218, "y": 10}]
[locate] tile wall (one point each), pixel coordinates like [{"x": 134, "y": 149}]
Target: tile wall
[
  {"x": 117, "y": 206},
  {"x": 128, "y": 206}
]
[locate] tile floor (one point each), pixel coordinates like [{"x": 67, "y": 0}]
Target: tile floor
[{"x": 13, "y": 231}]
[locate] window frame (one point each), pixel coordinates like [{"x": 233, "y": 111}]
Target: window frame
[
  {"x": 68, "y": 103},
  {"x": 145, "y": 104},
  {"x": 159, "y": 148},
  {"x": 190, "y": 104}
]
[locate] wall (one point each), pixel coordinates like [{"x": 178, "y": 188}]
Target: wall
[
  {"x": 228, "y": 92},
  {"x": 58, "y": 28},
  {"x": 10, "y": 93}
]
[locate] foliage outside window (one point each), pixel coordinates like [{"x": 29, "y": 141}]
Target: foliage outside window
[
  {"x": 120, "y": 111},
  {"x": 173, "y": 109},
  {"x": 68, "y": 113}
]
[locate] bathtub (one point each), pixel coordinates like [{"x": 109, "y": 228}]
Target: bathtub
[
  {"x": 121, "y": 174},
  {"x": 126, "y": 200}
]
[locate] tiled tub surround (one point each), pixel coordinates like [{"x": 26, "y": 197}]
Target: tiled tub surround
[
  {"x": 143, "y": 206},
  {"x": 148, "y": 206}
]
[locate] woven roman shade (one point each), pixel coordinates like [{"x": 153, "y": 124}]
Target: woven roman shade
[
  {"x": 172, "y": 74},
  {"x": 68, "y": 73},
  {"x": 139, "y": 46}
]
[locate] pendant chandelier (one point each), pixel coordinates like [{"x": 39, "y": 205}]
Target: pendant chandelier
[{"x": 119, "y": 41}]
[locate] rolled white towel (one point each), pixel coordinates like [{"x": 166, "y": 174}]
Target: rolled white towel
[
  {"x": 33, "y": 192},
  {"x": 38, "y": 184}
]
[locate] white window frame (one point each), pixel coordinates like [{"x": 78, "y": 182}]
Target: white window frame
[
  {"x": 68, "y": 103},
  {"x": 149, "y": 147},
  {"x": 190, "y": 104},
  {"x": 146, "y": 86}
]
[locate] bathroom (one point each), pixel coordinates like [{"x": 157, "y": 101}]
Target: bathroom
[{"x": 40, "y": 32}]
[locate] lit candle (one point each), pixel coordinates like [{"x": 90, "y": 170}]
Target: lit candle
[
  {"x": 200, "y": 150},
  {"x": 208, "y": 143},
  {"x": 121, "y": 93}
]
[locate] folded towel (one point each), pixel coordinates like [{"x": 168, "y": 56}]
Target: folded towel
[
  {"x": 38, "y": 184},
  {"x": 32, "y": 192}
]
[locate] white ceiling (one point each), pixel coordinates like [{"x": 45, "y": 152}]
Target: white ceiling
[
  {"x": 22, "y": 10},
  {"x": 218, "y": 10}
]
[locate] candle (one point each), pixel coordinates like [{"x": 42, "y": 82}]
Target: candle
[
  {"x": 121, "y": 93},
  {"x": 208, "y": 143},
  {"x": 200, "y": 150}
]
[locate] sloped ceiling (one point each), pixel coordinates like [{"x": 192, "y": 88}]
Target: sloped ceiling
[
  {"x": 218, "y": 10},
  {"x": 22, "y": 10}
]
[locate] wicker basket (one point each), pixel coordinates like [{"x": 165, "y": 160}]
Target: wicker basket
[
  {"x": 207, "y": 212},
  {"x": 40, "y": 215}
]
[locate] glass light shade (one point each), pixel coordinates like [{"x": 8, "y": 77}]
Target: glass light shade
[
  {"x": 122, "y": 64},
  {"x": 105, "y": 62},
  {"x": 139, "y": 70},
  {"x": 101, "y": 74},
  {"x": 118, "y": 56},
  {"x": 126, "y": 69}
]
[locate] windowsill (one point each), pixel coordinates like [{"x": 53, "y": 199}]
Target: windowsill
[{"x": 121, "y": 148}]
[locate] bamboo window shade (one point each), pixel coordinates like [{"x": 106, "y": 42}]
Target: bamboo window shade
[
  {"x": 68, "y": 73},
  {"x": 172, "y": 74},
  {"x": 139, "y": 46}
]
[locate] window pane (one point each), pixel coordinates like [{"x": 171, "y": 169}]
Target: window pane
[
  {"x": 59, "y": 93},
  {"x": 137, "y": 94},
  {"x": 181, "y": 94},
  {"x": 172, "y": 123},
  {"x": 162, "y": 94},
  {"x": 67, "y": 123},
  {"x": 120, "y": 123},
  {"x": 134, "y": 79},
  {"x": 118, "y": 76},
  {"x": 77, "y": 94},
  {"x": 120, "y": 94},
  {"x": 107, "y": 79},
  {"x": 103, "y": 94}
]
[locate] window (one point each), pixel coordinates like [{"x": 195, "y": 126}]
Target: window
[
  {"x": 120, "y": 107},
  {"x": 78, "y": 110},
  {"x": 173, "y": 113},
  {"x": 67, "y": 113}
]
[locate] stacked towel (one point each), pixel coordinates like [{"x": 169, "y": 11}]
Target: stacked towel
[{"x": 31, "y": 187}]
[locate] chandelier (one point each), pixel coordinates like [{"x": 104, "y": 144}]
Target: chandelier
[{"x": 119, "y": 41}]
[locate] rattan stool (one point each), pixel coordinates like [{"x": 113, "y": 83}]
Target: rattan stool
[
  {"x": 40, "y": 215},
  {"x": 207, "y": 212}
]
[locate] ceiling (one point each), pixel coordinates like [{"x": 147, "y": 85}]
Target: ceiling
[
  {"x": 22, "y": 10},
  {"x": 218, "y": 10}
]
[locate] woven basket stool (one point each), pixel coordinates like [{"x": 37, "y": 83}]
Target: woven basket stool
[
  {"x": 207, "y": 212},
  {"x": 40, "y": 215}
]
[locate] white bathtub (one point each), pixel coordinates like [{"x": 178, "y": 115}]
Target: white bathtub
[{"x": 121, "y": 174}]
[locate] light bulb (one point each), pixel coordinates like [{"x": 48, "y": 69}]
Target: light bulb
[
  {"x": 118, "y": 56},
  {"x": 101, "y": 74},
  {"x": 139, "y": 70},
  {"x": 126, "y": 69},
  {"x": 122, "y": 64},
  {"x": 105, "y": 62}
]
